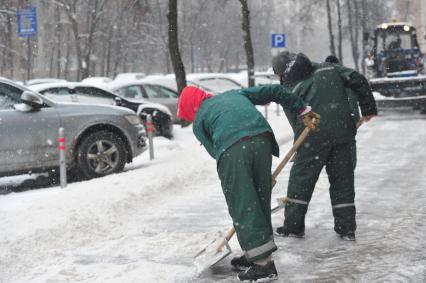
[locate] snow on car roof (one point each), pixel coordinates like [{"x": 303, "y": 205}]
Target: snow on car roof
[
  {"x": 41, "y": 87},
  {"x": 97, "y": 81},
  {"x": 43, "y": 81},
  {"x": 145, "y": 102}
]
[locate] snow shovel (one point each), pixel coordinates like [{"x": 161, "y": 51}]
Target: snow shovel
[{"x": 218, "y": 249}]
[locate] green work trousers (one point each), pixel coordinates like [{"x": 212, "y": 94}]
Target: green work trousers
[
  {"x": 338, "y": 159},
  {"x": 245, "y": 173}
]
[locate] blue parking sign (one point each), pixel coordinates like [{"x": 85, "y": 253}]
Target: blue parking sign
[
  {"x": 27, "y": 22},
  {"x": 278, "y": 40}
]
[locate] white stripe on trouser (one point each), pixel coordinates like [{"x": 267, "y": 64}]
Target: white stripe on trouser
[
  {"x": 269, "y": 246},
  {"x": 297, "y": 201},
  {"x": 343, "y": 205}
]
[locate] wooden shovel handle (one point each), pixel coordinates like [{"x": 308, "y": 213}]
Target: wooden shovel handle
[
  {"x": 289, "y": 154},
  {"x": 226, "y": 239}
]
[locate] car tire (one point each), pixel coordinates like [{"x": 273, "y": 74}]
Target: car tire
[{"x": 101, "y": 153}]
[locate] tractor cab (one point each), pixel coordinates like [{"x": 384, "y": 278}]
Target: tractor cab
[{"x": 396, "y": 52}]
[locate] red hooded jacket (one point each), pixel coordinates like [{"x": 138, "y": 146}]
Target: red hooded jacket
[{"x": 190, "y": 101}]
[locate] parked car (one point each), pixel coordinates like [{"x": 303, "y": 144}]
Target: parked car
[
  {"x": 209, "y": 82},
  {"x": 99, "y": 139},
  {"x": 85, "y": 93},
  {"x": 261, "y": 78},
  {"x": 141, "y": 91},
  {"x": 216, "y": 82}
]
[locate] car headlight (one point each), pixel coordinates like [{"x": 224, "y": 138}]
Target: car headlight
[{"x": 133, "y": 119}]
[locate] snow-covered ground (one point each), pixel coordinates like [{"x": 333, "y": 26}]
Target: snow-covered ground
[{"x": 146, "y": 224}]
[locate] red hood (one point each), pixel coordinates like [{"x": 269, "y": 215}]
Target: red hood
[{"x": 190, "y": 101}]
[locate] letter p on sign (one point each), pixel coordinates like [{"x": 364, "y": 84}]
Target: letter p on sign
[{"x": 278, "y": 40}]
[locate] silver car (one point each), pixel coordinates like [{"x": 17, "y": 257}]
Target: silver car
[
  {"x": 141, "y": 91},
  {"x": 99, "y": 140}
]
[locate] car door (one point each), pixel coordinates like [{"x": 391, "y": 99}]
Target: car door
[
  {"x": 59, "y": 94},
  {"x": 28, "y": 137},
  {"x": 133, "y": 92},
  {"x": 162, "y": 95}
]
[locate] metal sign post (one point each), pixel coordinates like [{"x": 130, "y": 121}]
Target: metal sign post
[
  {"x": 150, "y": 130},
  {"x": 62, "y": 158}
]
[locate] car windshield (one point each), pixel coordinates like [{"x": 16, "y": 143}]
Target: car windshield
[
  {"x": 393, "y": 39},
  {"x": 9, "y": 96}
]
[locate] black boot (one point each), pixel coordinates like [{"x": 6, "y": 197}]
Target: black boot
[
  {"x": 284, "y": 232},
  {"x": 240, "y": 263},
  {"x": 259, "y": 273}
]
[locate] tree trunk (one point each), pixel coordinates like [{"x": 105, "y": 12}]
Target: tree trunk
[
  {"x": 339, "y": 26},
  {"x": 248, "y": 45},
  {"x": 10, "y": 46},
  {"x": 58, "y": 42},
  {"x": 177, "y": 63},
  {"x": 356, "y": 31},
  {"x": 330, "y": 30},
  {"x": 67, "y": 57},
  {"x": 52, "y": 60},
  {"x": 364, "y": 29},
  {"x": 108, "y": 52},
  {"x": 353, "y": 28}
]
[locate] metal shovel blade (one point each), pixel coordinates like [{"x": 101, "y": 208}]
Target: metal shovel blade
[{"x": 211, "y": 255}]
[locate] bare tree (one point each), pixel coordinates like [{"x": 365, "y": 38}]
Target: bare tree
[
  {"x": 248, "y": 45},
  {"x": 6, "y": 40},
  {"x": 339, "y": 28},
  {"x": 77, "y": 38},
  {"x": 330, "y": 29},
  {"x": 177, "y": 63},
  {"x": 353, "y": 26}
]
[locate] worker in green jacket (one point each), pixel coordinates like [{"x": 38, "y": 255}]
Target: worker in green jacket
[
  {"x": 236, "y": 134},
  {"x": 353, "y": 105},
  {"x": 323, "y": 87}
]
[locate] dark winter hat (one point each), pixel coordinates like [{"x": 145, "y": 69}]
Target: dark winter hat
[
  {"x": 332, "y": 59},
  {"x": 281, "y": 61},
  {"x": 298, "y": 69}
]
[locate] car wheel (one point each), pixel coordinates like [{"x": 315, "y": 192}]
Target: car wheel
[{"x": 101, "y": 153}]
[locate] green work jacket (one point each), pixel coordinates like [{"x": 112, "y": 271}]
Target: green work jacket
[{"x": 226, "y": 118}]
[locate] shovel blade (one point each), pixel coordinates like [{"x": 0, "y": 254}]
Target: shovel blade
[{"x": 209, "y": 256}]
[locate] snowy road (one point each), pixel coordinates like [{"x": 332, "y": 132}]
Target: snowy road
[{"x": 139, "y": 227}]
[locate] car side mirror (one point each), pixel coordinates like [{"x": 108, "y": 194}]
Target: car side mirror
[
  {"x": 118, "y": 101},
  {"x": 31, "y": 99}
]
